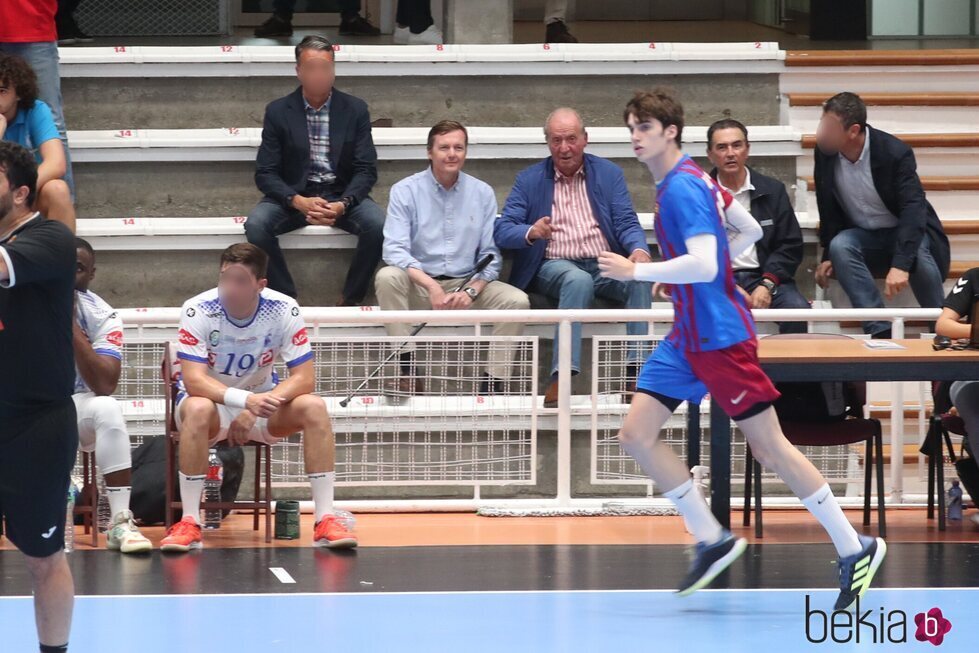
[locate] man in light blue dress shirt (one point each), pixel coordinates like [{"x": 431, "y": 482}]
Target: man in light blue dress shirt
[{"x": 439, "y": 225}]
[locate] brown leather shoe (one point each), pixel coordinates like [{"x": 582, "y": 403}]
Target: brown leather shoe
[
  {"x": 557, "y": 32},
  {"x": 343, "y": 301},
  {"x": 550, "y": 395},
  {"x": 631, "y": 383},
  {"x": 404, "y": 386}
]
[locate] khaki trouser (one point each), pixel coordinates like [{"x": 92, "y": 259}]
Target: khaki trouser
[{"x": 396, "y": 292}]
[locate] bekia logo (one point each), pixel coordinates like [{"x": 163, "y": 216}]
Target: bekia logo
[{"x": 878, "y": 626}]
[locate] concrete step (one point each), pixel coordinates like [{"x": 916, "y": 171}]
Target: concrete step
[
  {"x": 504, "y": 85},
  {"x": 208, "y": 188},
  {"x": 178, "y": 103}
]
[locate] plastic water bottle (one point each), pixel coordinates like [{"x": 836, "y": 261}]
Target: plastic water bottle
[
  {"x": 70, "y": 519},
  {"x": 954, "y": 502},
  {"x": 212, "y": 489},
  {"x": 104, "y": 513},
  {"x": 346, "y": 518}
]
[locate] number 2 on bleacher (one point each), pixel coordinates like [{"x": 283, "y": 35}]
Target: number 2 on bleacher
[{"x": 245, "y": 363}]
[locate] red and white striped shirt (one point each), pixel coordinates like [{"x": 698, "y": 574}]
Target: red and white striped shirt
[{"x": 575, "y": 233}]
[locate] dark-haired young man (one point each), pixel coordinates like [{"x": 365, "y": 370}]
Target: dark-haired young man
[
  {"x": 712, "y": 348},
  {"x": 228, "y": 341},
  {"x": 38, "y": 433},
  {"x": 317, "y": 165},
  {"x": 874, "y": 219}
]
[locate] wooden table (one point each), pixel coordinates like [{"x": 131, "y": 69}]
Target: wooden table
[{"x": 838, "y": 359}]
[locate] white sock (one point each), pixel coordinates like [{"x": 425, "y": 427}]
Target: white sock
[
  {"x": 696, "y": 514},
  {"x": 118, "y": 499},
  {"x": 191, "y": 489},
  {"x": 322, "y": 484},
  {"x": 824, "y": 507}
]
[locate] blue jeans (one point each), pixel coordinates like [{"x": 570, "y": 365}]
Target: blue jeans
[
  {"x": 43, "y": 58},
  {"x": 859, "y": 256},
  {"x": 787, "y": 295},
  {"x": 270, "y": 219},
  {"x": 574, "y": 284}
]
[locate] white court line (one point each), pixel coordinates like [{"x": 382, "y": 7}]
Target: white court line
[
  {"x": 282, "y": 575},
  {"x": 506, "y": 592}
]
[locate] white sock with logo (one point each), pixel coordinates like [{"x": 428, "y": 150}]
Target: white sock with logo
[
  {"x": 322, "y": 484},
  {"x": 824, "y": 507},
  {"x": 118, "y": 499},
  {"x": 191, "y": 489},
  {"x": 696, "y": 513}
]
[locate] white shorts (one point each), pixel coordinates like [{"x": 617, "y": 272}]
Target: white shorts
[{"x": 259, "y": 433}]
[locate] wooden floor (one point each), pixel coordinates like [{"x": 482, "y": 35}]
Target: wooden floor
[{"x": 459, "y": 529}]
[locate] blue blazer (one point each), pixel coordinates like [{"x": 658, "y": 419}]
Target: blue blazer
[
  {"x": 282, "y": 164},
  {"x": 532, "y": 198}
]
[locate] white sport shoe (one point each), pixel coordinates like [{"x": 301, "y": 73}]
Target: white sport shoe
[
  {"x": 123, "y": 535},
  {"x": 431, "y": 36},
  {"x": 975, "y": 518},
  {"x": 401, "y": 35}
]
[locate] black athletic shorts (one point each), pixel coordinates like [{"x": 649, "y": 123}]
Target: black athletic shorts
[{"x": 37, "y": 454}]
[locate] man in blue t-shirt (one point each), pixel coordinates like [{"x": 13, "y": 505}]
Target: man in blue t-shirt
[
  {"x": 28, "y": 121},
  {"x": 713, "y": 348}
]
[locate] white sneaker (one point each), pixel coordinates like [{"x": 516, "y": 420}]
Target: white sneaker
[
  {"x": 401, "y": 35},
  {"x": 124, "y": 536},
  {"x": 431, "y": 36},
  {"x": 975, "y": 518}
]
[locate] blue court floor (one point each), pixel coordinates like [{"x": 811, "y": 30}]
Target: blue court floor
[{"x": 534, "y": 621}]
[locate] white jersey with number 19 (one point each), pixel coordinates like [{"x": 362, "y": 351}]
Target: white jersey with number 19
[{"x": 241, "y": 354}]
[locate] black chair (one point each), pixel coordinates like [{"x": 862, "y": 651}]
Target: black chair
[
  {"x": 854, "y": 429},
  {"x": 940, "y": 426}
]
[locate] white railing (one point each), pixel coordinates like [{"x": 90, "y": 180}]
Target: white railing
[{"x": 158, "y": 324}]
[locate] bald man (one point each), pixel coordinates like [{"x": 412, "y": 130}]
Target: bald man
[{"x": 561, "y": 214}]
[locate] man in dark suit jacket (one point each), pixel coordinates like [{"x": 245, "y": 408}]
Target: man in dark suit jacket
[
  {"x": 560, "y": 215},
  {"x": 874, "y": 220},
  {"x": 766, "y": 272},
  {"x": 317, "y": 165}
]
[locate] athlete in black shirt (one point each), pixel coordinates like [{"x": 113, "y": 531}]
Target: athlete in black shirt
[{"x": 38, "y": 429}]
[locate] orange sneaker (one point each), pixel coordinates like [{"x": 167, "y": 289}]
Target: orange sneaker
[
  {"x": 183, "y": 536},
  {"x": 330, "y": 533}
]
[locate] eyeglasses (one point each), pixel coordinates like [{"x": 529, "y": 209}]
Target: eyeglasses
[{"x": 944, "y": 342}]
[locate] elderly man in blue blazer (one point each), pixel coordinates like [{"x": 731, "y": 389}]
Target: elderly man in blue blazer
[
  {"x": 317, "y": 165},
  {"x": 560, "y": 215}
]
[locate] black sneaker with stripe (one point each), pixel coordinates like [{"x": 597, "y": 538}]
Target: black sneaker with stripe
[
  {"x": 857, "y": 571},
  {"x": 710, "y": 560}
]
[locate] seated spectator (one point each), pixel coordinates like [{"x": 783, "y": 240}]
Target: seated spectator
[
  {"x": 280, "y": 22},
  {"x": 956, "y": 323},
  {"x": 317, "y": 165},
  {"x": 97, "y": 337},
  {"x": 766, "y": 271},
  {"x": 27, "y": 120},
  {"x": 874, "y": 220},
  {"x": 439, "y": 225},
  {"x": 27, "y": 30},
  {"x": 560, "y": 215}
]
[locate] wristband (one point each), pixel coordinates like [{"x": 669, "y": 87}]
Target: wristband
[{"x": 236, "y": 398}]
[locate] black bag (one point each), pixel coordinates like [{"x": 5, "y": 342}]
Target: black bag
[
  {"x": 965, "y": 462},
  {"x": 148, "y": 501},
  {"x": 812, "y": 401}
]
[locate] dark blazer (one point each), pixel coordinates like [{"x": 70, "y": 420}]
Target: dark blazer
[
  {"x": 780, "y": 247},
  {"x": 896, "y": 179},
  {"x": 532, "y": 197},
  {"x": 283, "y": 158}
]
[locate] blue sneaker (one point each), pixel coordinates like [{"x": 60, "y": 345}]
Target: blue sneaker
[
  {"x": 710, "y": 560},
  {"x": 857, "y": 571}
]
